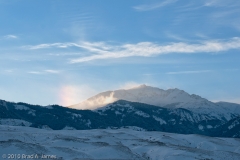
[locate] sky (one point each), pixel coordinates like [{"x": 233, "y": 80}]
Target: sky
[{"x": 63, "y": 52}]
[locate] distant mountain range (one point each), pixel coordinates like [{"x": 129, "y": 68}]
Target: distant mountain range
[
  {"x": 171, "y": 98},
  {"x": 121, "y": 114}
]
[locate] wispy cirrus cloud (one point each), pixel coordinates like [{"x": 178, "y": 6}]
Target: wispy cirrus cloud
[
  {"x": 34, "y": 72},
  {"x": 221, "y": 3},
  {"x": 91, "y": 46},
  {"x": 52, "y": 71},
  {"x": 146, "y": 49},
  {"x": 8, "y": 70},
  {"x": 49, "y": 71},
  {"x": 44, "y": 46},
  {"x": 175, "y": 37},
  {"x": 190, "y": 72},
  {"x": 10, "y": 36},
  {"x": 149, "y": 7},
  {"x": 103, "y": 50}
]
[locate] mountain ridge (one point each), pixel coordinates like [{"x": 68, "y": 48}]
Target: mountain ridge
[
  {"x": 170, "y": 98},
  {"x": 138, "y": 94},
  {"x": 116, "y": 115}
]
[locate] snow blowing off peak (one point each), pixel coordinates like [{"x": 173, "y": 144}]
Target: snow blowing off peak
[{"x": 143, "y": 94}]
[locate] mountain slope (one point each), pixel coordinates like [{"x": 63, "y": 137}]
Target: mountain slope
[
  {"x": 114, "y": 144},
  {"x": 230, "y": 128},
  {"x": 171, "y": 98},
  {"x": 116, "y": 115}
]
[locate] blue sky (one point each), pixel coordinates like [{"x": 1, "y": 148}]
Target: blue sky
[{"x": 62, "y": 52}]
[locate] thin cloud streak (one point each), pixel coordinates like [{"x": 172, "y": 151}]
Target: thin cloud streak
[
  {"x": 52, "y": 45},
  {"x": 153, "y": 6},
  {"x": 9, "y": 70},
  {"x": 34, "y": 72},
  {"x": 94, "y": 47},
  {"x": 102, "y": 50},
  {"x": 190, "y": 72},
  {"x": 48, "y": 71},
  {"x": 147, "y": 49},
  {"x": 221, "y": 3},
  {"x": 10, "y": 37},
  {"x": 52, "y": 71}
]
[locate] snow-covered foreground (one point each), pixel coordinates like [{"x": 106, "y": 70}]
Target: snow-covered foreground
[{"x": 114, "y": 144}]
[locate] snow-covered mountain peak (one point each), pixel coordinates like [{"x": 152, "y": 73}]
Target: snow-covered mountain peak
[
  {"x": 142, "y": 86},
  {"x": 143, "y": 94},
  {"x": 170, "y": 98},
  {"x": 174, "y": 90}
]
